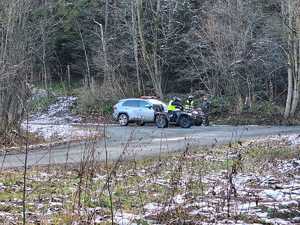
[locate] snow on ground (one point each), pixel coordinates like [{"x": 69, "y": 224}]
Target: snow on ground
[
  {"x": 57, "y": 113},
  {"x": 142, "y": 197},
  {"x": 57, "y": 122},
  {"x": 294, "y": 140},
  {"x": 269, "y": 199},
  {"x": 61, "y": 132}
]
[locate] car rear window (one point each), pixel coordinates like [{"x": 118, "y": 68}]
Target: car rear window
[
  {"x": 143, "y": 104},
  {"x": 131, "y": 103}
]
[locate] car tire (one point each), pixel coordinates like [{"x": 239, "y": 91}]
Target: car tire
[
  {"x": 161, "y": 121},
  {"x": 123, "y": 119},
  {"x": 185, "y": 122}
]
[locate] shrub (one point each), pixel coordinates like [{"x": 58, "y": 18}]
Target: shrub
[
  {"x": 42, "y": 103},
  {"x": 266, "y": 108},
  {"x": 91, "y": 102},
  {"x": 222, "y": 104}
]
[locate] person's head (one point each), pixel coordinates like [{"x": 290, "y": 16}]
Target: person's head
[
  {"x": 205, "y": 98},
  {"x": 191, "y": 98}
]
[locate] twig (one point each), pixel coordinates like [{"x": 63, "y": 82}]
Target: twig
[{"x": 25, "y": 169}]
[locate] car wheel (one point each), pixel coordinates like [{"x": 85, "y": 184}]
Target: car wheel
[
  {"x": 123, "y": 119},
  {"x": 185, "y": 122},
  {"x": 161, "y": 121}
]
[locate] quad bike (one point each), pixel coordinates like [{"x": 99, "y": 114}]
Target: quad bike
[
  {"x": 178, "y": 118},
  {"x": 199, "y": 117}
]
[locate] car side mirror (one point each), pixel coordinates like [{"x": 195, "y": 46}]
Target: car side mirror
[{"x": 148, "y": 106}]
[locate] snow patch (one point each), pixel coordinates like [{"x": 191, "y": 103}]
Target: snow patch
[
  {"x": 179, "y": 199},
  {"x": 57, "y": 122},
  {"x": 294, "y": 140},
  {"x": 275, "y": 195},
  {"x": 123, "y": 218},
  {"x": 277, "y": 221},
  {"x": 153, "y": 207}
]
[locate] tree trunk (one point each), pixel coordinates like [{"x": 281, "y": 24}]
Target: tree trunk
[
  {"x": 151, "y": 62},
  {"x": 157, "y": 70},
  {"x": 296, "y": 68},
  {"x": 107, "y": 78},
  {"x": 87, "y": 80},
  {"x": 44, "y": 60},
  {"x": 135, "y": 49},
  {"x": 290, "y": 58},
  {"x": 289, "y": 90},
  {"x": 15, "y": 40}
]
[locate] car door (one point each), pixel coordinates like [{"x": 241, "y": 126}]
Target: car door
[
  {"x": 146, "y": 111},
  {"x": 131, "y": 107}
]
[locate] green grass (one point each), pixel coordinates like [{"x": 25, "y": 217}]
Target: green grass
[
  {"x": 10, "y": 195},
  {"x": 61, "y": 88},
  {"x": 263, "y": 155},
  {"x": 41, "y": 104}
]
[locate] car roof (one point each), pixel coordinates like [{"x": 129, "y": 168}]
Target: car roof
[
  {"x": 142, "y": 99},
  {"x": 152, "y": 101},
  {"x": 126, "y": 99},
  {"x": 156, "y": 101}
]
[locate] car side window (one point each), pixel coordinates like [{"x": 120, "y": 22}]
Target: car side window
[
  {"x": 131, "y": 103},
  {"x": 143, "y": 104}
]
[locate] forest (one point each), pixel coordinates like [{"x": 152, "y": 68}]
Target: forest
[
  {"x": 72, "y": 153},
  {"x": 236, "y": 51}
]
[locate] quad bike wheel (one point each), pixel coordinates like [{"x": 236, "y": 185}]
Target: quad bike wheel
[
  {"x": 185, "y": 122},
  {"x": 198, "y": 122}
]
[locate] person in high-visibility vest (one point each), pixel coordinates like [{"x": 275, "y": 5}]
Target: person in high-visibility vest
[
  {"x": 189, "y": 103},
  {"x": 175, "y": 104},
  {"x": 173, "y": 107}
]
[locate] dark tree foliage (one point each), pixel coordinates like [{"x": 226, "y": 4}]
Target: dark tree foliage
[{"x": 223, "y": 48}]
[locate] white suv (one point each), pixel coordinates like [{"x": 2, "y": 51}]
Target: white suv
[{"x": 137, "y": 110}]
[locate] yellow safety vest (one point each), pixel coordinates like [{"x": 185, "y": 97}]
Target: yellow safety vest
[
  {"x": 189, "y": 105},
  {"x": 171, "y": 107}
]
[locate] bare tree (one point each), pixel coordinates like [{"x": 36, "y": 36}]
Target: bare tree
[
  {"x": 87, "y": 79},
  {"x": 14, "y": 63},
  {"x": 291, "y": 11},
  {"x": 135, "y": 47},
  {"x": 151, "y": 57}
]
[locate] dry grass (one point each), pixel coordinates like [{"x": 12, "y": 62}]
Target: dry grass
[
  {"x": 14, "y": 139},
  {"x": 177, "y": 185}
]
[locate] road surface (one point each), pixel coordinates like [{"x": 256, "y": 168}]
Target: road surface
[{"x": 138, "y": 142}]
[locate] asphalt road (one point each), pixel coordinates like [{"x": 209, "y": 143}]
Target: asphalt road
[{"x": 138, "y": 142}]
